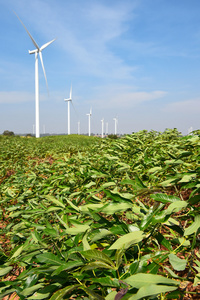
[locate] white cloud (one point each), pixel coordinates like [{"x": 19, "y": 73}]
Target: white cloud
[
  {"x": 19, "y": 97},
  {"x": 125, "y": 97},
  {"x": 191, "y": 106}
]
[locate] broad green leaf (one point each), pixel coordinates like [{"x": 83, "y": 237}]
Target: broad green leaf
[
  {"x": 127, "y": 240},
  {"x": 107, "y": 281},
  {"x": 187, "y": 178},
  {"x": 152, "y": 290},
  {"x": 91, "y": 293},
  {"x": 32, "y": 289},
  {"x": 111, "y": 295},
  {"x": 87, "y": 207},
  {"x": 100, "y": 234},
  {"x": 177, "y": 263},
  {"x": 17, "y": 252},
  {"x": 67, "y": 266},
  {"x": 61, "y": 293},
  {"x": 155, "y": 169},
  {"x": 142, "y": 279},
  {"x": 5, "y": 270},
  {"x": 193, "y": 227},
  {"x": 97, "y": 255},
  {"x": 176, "y": 207},
  {"x": 164, "y": 198},
  {"x": 116, "y": 207},
  {"x": 96, "y": 265},
  {"x": 77, "y": 229},
  {"x": 49, "y": 258},
  {"x": 54, "y": 200},
  {"x": 86, "y": 245}
]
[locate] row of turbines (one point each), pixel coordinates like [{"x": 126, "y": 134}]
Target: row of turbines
[
  {"x": 38, "y": 51},
  {"x": 68, "y": 100}
]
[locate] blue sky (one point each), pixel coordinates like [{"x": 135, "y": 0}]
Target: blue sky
[{"x": 137, "y": 60}]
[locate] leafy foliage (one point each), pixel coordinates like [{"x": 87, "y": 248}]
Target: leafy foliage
[{"x": 89, "y": 218}]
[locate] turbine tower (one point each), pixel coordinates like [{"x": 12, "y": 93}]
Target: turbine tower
[
  {"x": 116, "y": 121},
  {"x": 89, "y": 116},
  {"x": 37, "y": 51},
  {"x": 102, "y": 127},
  {"x": 68, "y": 100},
  {"x": 79, "y": 127}
]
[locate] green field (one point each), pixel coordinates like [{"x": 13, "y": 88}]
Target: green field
[{"x": 89, "y": 218}]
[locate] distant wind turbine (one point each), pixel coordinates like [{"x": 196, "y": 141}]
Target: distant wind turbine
[
  {"x": 37, "y": 51},
  {"x": 79, "y": 127},
  {"x": 116, "y": 121},
  {"x": 107, "y": 128},
  {"x": 89, "y": 125},
  {"x": 69, "y": 100},
  {"x": 102, "y": 127}
]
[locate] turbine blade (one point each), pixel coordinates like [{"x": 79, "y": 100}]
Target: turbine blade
[
  {"x": 32, "y": 39},
  {"x": 74, "y": 109},
  {"x": 40, "y": 53},
  {"x": 46, "y": 45},
  {"x": 70, "y": 96}
]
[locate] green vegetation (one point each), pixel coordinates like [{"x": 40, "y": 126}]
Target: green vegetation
[{"x": 89, "y": 218}]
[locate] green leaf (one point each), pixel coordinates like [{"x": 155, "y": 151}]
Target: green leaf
[
  {"x": 96, "y": 265},
  {"x": 107, "y": 281},
  {"x": 164, "y": 198},
  {"x": 67, "y": 266},
  {"x": 193, "y": 227},
  {"x": 61, "y": 293},
  {"x": 54, "y": 200},
  {"x": 177, "y": 263},
  {"x": 86, "y": 245},
  {"x": 142, "y": 279},
  {"x": 176, "y": 207},
  {"x": 188, "y": 177},
  {"x": 152, "y": 290},
  {"x": 5, "y": 270},
  {"x": 127, "y": 240},
  {"x": 116, "y": 207},
  {"x": 111, "y": 295},
  {"x": 49, "y": 258},
  {"x": 31, "y": 290},
  {"x": 17, "y": 252},
  {"x": 97, "y": 255},
  {"x": 91, "y": 293},
  {"x": 163, "y": 241},
  {"x": 77, "y": 229}
]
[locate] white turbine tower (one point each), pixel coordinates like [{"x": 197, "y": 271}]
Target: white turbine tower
[
  {"x": 69, "y": 100},
  {"x": 116, "y": 121},
  {"x": 89, "y": 125},
  {"x": 37, "y": 51},
  {"x": 79, "y": 127},
  {"x": 102, "y": 127},
  {"x": 107, "y": 128}
]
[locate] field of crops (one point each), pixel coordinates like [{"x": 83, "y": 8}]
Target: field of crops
[{"x": 90, "y": 218}]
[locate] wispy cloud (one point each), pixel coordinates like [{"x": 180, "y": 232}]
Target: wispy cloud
[
  {"x": 190, "y": 106},
  {"x": 125, "y": 97}
]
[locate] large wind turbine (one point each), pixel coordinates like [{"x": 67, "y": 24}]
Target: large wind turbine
[
  {"x": 116, "y": 121},
  {"x": 89, "y": 116},
  {"x": 68, "y": 100},
  {"x": 37, "y": 51}
]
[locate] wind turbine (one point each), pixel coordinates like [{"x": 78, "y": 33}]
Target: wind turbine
[
  {"x": 68, "y": 100},
  {"x": 116, "y": 121},
  {"x": 89, "y": 116},
  {"x": 79, "y": 127},
  {"x": 102, "y": 127},
  {"x": 107, "y": 128},
  {"x": 37, "y": 51}
]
